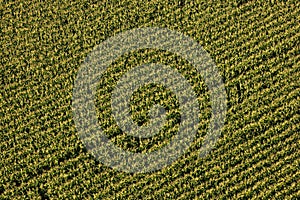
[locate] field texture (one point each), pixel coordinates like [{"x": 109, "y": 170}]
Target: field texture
[{"x": 256, "y": 47}]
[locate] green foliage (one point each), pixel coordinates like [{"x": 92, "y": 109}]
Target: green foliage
[{"x": 255, "y": 45}]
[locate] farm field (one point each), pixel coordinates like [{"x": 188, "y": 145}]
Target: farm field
[{"x": 255, "y": 46}]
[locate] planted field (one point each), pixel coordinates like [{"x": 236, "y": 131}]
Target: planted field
[{"x": 255, "y": 46}]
